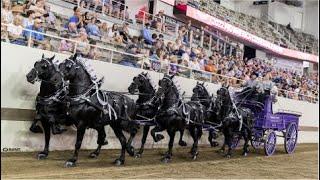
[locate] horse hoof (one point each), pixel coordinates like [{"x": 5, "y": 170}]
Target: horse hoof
[
  {"x": 93, "y": 155},
  {"x": 69, "y": 164},
  {"x": 245, "y": 154},
  {"x": 166, "y": 160},
  {"x": 194, "y": 157},
  {"x": 130, "y": 151},
  {"x": 138, "y": 155},
  {"x": 42, "y": 156},
  {"x": 228, "y": 156},
  {"x": 105, "y": 143},
  {"x": 36, "y": 129},
  {"x": 220, "y": 151},
  {"x": 118, "y": 162},
  {"x": 182, "y": 143},
  {"x": 215, "y": 144},
  {"x": 159, "y": 137}
]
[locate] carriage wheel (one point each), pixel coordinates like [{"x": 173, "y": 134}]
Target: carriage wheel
[
  {"x": 255, "y": 142},
  {"x": 290, "y": 138},
  {"x": 235, "y": 142},
  {"x": 270, "y": 143}
]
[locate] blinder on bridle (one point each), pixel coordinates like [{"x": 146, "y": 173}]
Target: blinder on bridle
[
  {"x": 48, "y": 61},
  {"x": 161, "y": 89},
  {"x": 73, "y": 63}
]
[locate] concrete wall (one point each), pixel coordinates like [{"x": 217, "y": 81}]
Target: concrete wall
[
  {"x": 228, "y": 4},
  {"x": 311, "y": 17},
  {"x": 247, "y": 7},
  {"x": 167, "y": 8},
  {"x": 17, "y": 93},
  {"x": 305, "y": 18},
  {"x": 260, "y": 54},
  {"x": 283, "y": 14}
]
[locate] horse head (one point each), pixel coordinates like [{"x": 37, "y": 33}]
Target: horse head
[
  {"x": 69, "y": 67},
  {"x": 199, "y": 92},
  {"x": 42, "y": 70},
  {"x": 141, "y": 83},
  {"x": 165, "y": 84},
  {"x": 223, "y": 99},
  {"x": 74, "y": 72}
]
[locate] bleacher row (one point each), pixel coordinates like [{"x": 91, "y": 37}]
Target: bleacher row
[{"x": 271, "y": 31}]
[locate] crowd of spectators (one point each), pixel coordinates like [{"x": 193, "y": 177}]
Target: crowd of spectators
[{"x": 175, "y": 57}]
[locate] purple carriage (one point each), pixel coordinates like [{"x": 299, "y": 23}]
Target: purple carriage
[{"x": 267, "y": 123}]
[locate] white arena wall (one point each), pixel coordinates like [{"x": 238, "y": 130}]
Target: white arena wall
[{"x": 18, "y": 94}]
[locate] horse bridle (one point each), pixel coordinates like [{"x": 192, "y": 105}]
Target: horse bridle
[{"x": 56, "y": 94}]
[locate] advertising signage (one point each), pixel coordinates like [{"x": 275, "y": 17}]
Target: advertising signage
[{"x": 244, "y": 35}]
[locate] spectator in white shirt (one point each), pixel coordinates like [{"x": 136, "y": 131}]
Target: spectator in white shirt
[
  {"x": 29, "y": 20},
  {"x": 15, "y": 31},
  {"x": 6, "y": 11}
]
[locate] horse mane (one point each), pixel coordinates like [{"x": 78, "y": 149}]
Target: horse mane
[
  {"x": 148, "y": 78},
  {"x": 177, "y": 88},
  {"x": 205, "y": 89},
  {"x": 87, "y": 68}
]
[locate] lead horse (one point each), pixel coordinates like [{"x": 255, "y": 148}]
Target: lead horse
[
  {"x": 50, "y": 102},
  {"x": 95, "y": 108}
]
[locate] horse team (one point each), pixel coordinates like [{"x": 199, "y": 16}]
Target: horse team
[{"x": 68, "y": 96}]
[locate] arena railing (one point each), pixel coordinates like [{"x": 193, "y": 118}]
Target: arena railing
[
  {"x": 144, "y": 62},
  {"x": 170, "y": 26}
]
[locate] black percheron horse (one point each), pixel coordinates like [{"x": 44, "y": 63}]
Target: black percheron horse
[
  {"x": 50, "y": 102},
  {"x": 175, "y": 115},
  {"x": 212, "y": 121},
  {"x": 94, "y": 108},
  {"x": 147, "y": 106},
  {"x": 237, "y": 122}
]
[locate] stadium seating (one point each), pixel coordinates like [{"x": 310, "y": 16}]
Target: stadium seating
[{"x": 270, "y": 31}]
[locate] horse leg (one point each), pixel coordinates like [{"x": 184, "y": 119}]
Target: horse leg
[
  {"x": 181, "y": 141},
  {"x": 80, "y": 133},
  {"x": 212, "y": 138},
  {"x": 123, "y": 141},
  {"x": 35, "y": 128},
  {"x": 168, "y": 156},
  {"x": 45, "y": 152},
  {"x": 246, "y": 137},
  {"x": 223, "y": 147},
  {"x": 143, "y": 140},
  {"x": 193, "y": 132},
  {"x": 55, "y": 127},
  {"x": 157, "y": 137},
  {"x": 101, "y": 141},
  {"x": 130, "y": 149},
  {"x": 229, "y": 137}
]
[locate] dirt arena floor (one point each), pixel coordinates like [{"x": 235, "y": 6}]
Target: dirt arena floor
[{"x": 302, "y": 164}]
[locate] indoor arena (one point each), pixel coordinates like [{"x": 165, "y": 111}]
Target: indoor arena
[{"x": 150, "y": 89}]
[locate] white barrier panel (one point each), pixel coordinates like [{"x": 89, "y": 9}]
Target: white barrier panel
[{"x": 17, "y": 93}]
